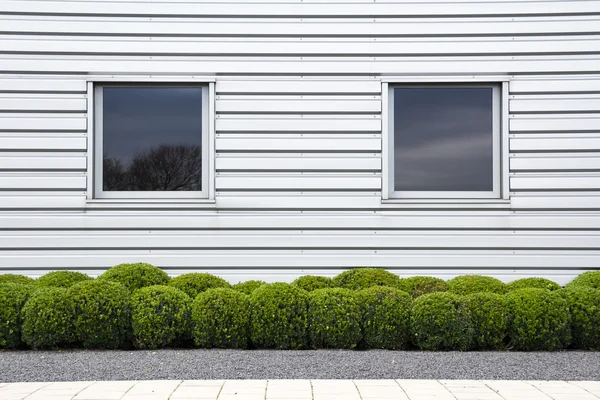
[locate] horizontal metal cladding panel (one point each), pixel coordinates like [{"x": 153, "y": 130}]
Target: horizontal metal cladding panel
[
  {"x": 557, "y": 104},
  {"x": 261, "y": 123},
  {"x": 295, "y": 46},
  {"x": 40, "y": 182},
  {"x": 555, "y": 142},
  {"x": 540, "y": 123},
  {"x": 313, "y": 181},
  {"x": 42, "y": 143},
  {"x": 37, "y": 122},
  {"x": 307, "y": 143},
  {"x": 298, "y": 201},
  {"x": 553, "y": 162},
  {"x": 42, "y": 85},
  {"x": 9, "y": 161},
  {"x": 363, "y": 9},
  {"x": 298, "y": 104},
  {"x": 591, "y": 84},
  {"x": 298, "y": 86},
  {"x": 20, "y": 103},
  {"x": 296, "y": 163},
  {"x": 36, "y": 202},
  {"x": 555, "y": 182},
  {"x": 556, "y": 201},
  {"x": 306, "y": 27}
]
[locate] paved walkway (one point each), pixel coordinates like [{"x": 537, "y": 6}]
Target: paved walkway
[{"x": 303, "y": 390}]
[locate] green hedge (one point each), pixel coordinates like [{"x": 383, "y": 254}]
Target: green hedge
[
  {"x": 587, "y": 279},
  {"x": 13, "y": 278},
  {"x": 136, "y": 276},
  {"x": 362, "y": 278},
  {"x": 488, "y": 314},
  {"x": 311, "y": 282},
  {"x": 334, "y": 317},
  {"x": 61, "y": 279},
  {"x": 12, "y": 299},
  {"x": 584, "y": 307},
  {"x": 248, "y": 287},
  {"x": 539, "y": 283},
  {"x": 419, "y": 285},
  {"x": 468, "y": 284},
  {"x": 195, "y": 283}
]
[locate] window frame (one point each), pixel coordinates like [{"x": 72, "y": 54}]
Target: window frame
[
  {"x": 500, "y": 142},
  {"x": 95, "y": 190}
]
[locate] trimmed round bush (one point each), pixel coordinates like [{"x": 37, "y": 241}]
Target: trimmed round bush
[
  {"x": 279, "y": 316},
  {"x": 334, "y": 317},
  {"x": 441, "y": 321},
  {"x": 221, "y": 319},
  {"x": 538, "y": 319},
  {"x": 14, "y": 278},
  {"x": 539, "y": 283},
  {"x": 584, "y": 307},
  {"x": 468, "y": 284},
  {"x": 48, "y": 319},
  {"x": 312, "y": 282},
  {"x": 63, "y": 279},
  {"x": 488, "y": 314},
  {"x": 587, "y": 279},
  {"x": 385, "y": 320},
  {"x": 195, "y": 283},
  {"x": 136, "y": 276},
  {"x": 248, "y": 287},
  {"x": 419, "y": 285},
  {"x": 362, "y": 278},
  {"x": 160, "y": 316},
  {"x": 12, "y": 299},
  {"x": 102, "y": 312}
]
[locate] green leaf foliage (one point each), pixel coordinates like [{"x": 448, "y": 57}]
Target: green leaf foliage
[
  {"x": 61, "y": 279},
  {"x": 14, "y": 278},
  {"x": 419, "y": 285},
  {"x": 136, "y": 276},
  {"x": 584, "y": 307},
  {"x": 468, "y": 284},
  {"x": 221, "y": 319},
  {"x": 385, "y": 319},
  {"x": 362, "y": 278},
  {"x": 248, "y": 287},
  {"x": 538, "y": 319},
  {"x": 195, "y": 283},
  {"x": 160, "y": 316},
  {"x": 441, "y": 321},
  {"x": 279, "y": 316},
  {"x": 588, "y": 279},
  {"x": 488, "y": 314},
  {"x": 48, "y": 319},
  {"x": 334, "y": 317},
  {"x": 102, "y": 310},
  {"x": 539, "y": 283},
  {"x": 12, "y": 299},
  {"x": 312, "y": 282}
]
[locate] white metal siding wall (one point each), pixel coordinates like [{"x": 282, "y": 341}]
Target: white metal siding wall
[{"x": 298, "y": 136}]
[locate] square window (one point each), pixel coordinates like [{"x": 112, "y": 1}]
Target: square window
[
  {"x": 444, "y": 141},
  {"x": 151, "y": 141}
]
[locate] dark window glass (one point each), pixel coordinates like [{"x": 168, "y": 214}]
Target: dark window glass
[
  {"x": 152, "y": 138},
  {"x": 443, "y": 139}
]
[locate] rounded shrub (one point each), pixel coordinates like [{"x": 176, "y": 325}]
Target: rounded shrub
[
  {"x": 48, "y": 319},
  {"x": 195, "y": 283},
  {"x": 538, "y": 319},
  {"x": 419, "y": 285},
  {"x": 312, "y": 282},
  {"x": 102, "y": 312},
  {"x": 539, "y": 283},
  {"x": 12, "y": 299},
  {"x": 63, "y": 279},
  {"x": 584, "y": 307},
  {"x": 248, "y": 287},
  {"x": 279, "y": 316},
  {"x": 334, "y": 317},
  {"x": 488, "y": 314},
  {"x": 14, "y": 278},
  {"x": 385, "y": 319},
  {"x": 588, "y": 279},
  {"x": 441, "y": 321},
  {"x": 136, "y": 276},
  {"x": 468, "y": 284},
  {"x": 160, "y": 316},
  {"x": 362, "y": 278},
  {"x": 221, "y": 319}
]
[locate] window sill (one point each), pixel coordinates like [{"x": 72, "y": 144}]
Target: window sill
[
  {"x": 180, "y": 204},
  {"x": 446, "y": 203}
]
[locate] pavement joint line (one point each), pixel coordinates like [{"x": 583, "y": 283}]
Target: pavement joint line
[
  {"x": 36, "y": 390},
  {"x": 176, "y": 387},
  {"x": 581, "y": 387},
  {"x": 357, "y": 389},
  {"x": 445, "y": 387}
]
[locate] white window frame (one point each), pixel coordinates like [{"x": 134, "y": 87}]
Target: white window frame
[
  {"x": 500, "y": 142},
  {"x": 95, "y": 191}
]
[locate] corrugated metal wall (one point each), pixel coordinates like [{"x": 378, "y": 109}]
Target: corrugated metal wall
[{"x": 299, "y": 136}]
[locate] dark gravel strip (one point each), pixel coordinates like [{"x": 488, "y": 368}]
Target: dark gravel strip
[{"x": 75, "y": 365}]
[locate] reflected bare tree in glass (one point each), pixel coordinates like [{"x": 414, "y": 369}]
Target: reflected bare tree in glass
[{"x": 114, "y": 174}]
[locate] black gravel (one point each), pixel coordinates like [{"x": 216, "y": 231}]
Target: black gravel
[{"x": 76, "y": 365}]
